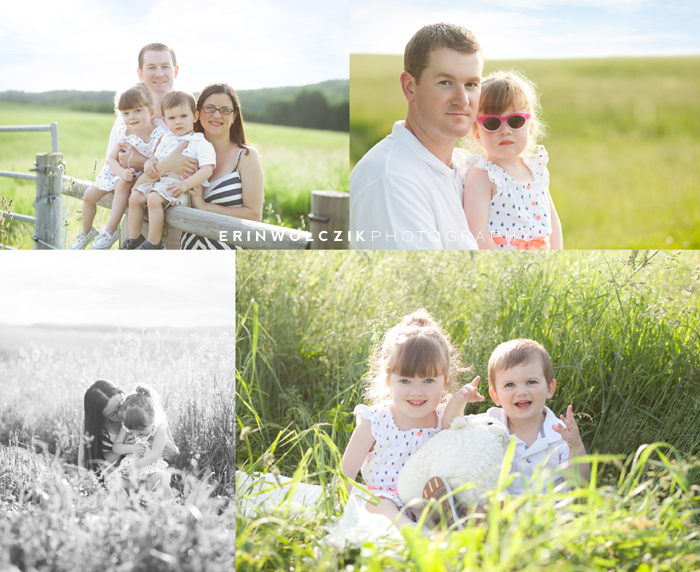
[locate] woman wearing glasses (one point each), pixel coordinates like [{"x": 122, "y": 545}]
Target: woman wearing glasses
[
  {"x": 103, "y": 419},
  {"x": 236, "y": 186}
]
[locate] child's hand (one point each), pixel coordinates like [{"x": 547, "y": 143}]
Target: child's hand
[
  {"x": 196, "y": 197},
  {"x": 569, "y": 431},
  {"x": 177, "y": 189},
  {"x": 470, "y": 392},
  {"x": 150, "y": 169},
  {"x": 139, "y": 449},
  {"x": 129, "y": 174}
]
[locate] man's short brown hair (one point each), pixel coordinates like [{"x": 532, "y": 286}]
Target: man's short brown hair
[
  {"x": 519, "y": 352},
  {"x": 175, "y": 98},
  {"x": 156, "y": 48},
  {"x": 416, "y": 56}
]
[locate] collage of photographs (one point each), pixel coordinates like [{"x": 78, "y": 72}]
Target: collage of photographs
[{"x": 357, "y": 386}]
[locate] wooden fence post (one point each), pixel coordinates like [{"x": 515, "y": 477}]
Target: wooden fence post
[
  {"x": 330, "y": 220},
  {"x": 47, "y": 208}
]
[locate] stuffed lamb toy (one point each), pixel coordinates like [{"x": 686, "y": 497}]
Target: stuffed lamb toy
[{"x": 470, "y": 451}]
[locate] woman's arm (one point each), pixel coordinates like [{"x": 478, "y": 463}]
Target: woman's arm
[
  {"x": 252, "y": 191},
  {"x": 478, "y": 192},
  {"x": 361, "y": 443},
  {"x": 160, "y": 439}
]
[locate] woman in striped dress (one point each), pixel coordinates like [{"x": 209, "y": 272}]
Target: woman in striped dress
[{"x": 236, "y": 186}]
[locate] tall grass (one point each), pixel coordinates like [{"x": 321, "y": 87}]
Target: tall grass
[
  {"x": 295, "y": 161},
  {"x": 59, "y": 519},
  {"x": 622, "y": 330}
]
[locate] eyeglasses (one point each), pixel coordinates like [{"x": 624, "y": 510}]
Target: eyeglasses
[
  {"x": 211, "y": 109},
  {"x": 493, "y": 122},
  {"x": 114, "y": 415}
]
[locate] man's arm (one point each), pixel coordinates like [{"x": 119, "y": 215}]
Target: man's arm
[{"x": 178, "y": 163}]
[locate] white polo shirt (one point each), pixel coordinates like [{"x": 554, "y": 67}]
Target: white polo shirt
[
  {"x": 549, "y": 448},
  {"x": 403, "y": 197}
]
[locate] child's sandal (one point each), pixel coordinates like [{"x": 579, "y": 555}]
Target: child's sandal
[{"x": 438, "y": 488}]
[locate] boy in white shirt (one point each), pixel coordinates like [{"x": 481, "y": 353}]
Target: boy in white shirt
[
  {"x": 159, "y": 192},
  {"x": 521, "y": 379}
]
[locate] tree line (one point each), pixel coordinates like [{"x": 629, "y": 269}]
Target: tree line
[{"x": 309, "y": 108}]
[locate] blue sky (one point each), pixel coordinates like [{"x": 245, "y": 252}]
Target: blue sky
[
  {"x": 512, "y": 29},
  {"x": 94, "y": 44},
  {"x": 122, "y": 289}
]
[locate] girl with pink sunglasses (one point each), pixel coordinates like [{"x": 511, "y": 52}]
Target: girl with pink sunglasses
[{"x": 506, "y": 194}]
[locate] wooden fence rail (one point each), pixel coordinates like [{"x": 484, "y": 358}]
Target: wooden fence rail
[
  {"x": 329, "y": 216},
  {"x": 53, "y": 127}
]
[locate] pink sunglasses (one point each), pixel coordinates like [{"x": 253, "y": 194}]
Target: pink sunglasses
[{"x": 493, "y": 122}]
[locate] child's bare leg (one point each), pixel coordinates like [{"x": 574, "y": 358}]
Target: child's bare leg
[
  {"x": 90, "y": 198},
  {"x": 156, "y": 217},
  {"x": 389, "y": 509},
  {"x": 136, "y": 202},
  {"x": 160, "y": 481},
  {"x": 119, "y": 204}
]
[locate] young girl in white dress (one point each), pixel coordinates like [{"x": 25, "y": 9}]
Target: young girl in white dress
[
  {"x": 411, "y": 369},
  {"x": 143, "y": 133},
  {"x": 144, "y": 464},
  {"x": 506, "y": 195}
]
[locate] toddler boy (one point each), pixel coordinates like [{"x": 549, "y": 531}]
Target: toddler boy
[
  {"x": 179, "y": 113},
  {"x": 521, "y": 380}
]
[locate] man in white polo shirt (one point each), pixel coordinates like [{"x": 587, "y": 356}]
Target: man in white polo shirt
[{"x": 406, "y": 192}]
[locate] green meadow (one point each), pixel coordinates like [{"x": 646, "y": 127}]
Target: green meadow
[
  {"x": 622, "y": 329},
  {"x": 295, "y": 161},
  {"x": 624, "y": 142}
]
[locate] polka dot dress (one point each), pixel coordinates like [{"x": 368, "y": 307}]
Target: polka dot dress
[
  {"x": 106, "y": 179},
  {"x": 518, "y": 209},
  {"x": 393, "y": 447}
]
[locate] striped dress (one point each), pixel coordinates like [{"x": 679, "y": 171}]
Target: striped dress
[{"x": 225, "y": 191}]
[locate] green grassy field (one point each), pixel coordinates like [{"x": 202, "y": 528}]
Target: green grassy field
[
  {"x": 622, "y": 329},
  {"x": 295, "y": 162},
  {"x": 55, "y": 518},
  {"x": 624, "y": 142}
]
